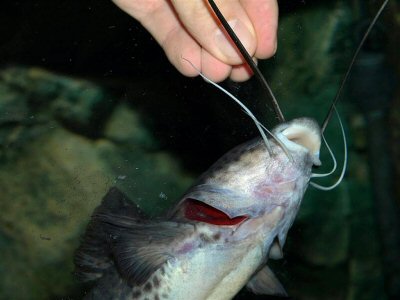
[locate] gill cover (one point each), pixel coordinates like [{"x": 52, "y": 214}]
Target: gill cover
[{"x": 247, "y": 181}]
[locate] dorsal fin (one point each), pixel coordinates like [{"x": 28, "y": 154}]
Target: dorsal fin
[{"x": 116, "y": 202}]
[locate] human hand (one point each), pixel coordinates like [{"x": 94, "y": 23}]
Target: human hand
[{"x": 188, "y": 29}]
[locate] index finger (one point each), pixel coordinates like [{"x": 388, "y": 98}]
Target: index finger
[{"x": 264, "y": 16}]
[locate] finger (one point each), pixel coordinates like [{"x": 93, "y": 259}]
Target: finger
[
  {"x": 264, "y": 16},
  {"x": 240, "y": 73},
  {"x": 159, "y": 18},
  {"x": 200, "y": 21},
  {"x": 181, "y": 48},
  {"x": 213, "y": 68}
]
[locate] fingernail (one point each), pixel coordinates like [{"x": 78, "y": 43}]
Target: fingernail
[{"x": 225, "y": 45}]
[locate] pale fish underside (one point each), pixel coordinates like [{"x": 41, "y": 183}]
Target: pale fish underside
[{"x": 219, "y": 236}]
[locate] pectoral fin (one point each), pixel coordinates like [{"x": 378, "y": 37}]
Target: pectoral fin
[
  {"x": 265, "y": 282},
  {"x": 92, "y": 259},
  {"x": 145, "y": 247},
  {"x": 119, "y": 236}
]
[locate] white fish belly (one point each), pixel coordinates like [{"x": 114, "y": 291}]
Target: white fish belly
[{"x": 212, "y": 274}]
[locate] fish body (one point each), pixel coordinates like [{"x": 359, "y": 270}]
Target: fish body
[{"x": 218, "y": 237}]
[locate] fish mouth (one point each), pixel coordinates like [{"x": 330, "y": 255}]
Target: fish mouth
[
  {"x": 199, "y": 211},
  {"x": 302, "y": 133}
]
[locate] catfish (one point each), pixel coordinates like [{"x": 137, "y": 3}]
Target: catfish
[
  {"x": 219, "y": 236},
  {"x": 222, "y": 232}
]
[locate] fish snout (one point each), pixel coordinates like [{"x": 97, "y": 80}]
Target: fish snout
[{"x": 301, "y": 134}]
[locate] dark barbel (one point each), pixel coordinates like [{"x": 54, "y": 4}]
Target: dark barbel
[
  {"x": 346, "y": 75},
  {"x": 249, "y": 60}
]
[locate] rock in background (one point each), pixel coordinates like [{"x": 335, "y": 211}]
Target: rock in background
[{"x": 64, "y": 142}]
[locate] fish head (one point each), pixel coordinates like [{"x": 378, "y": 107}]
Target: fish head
[
  {"x": 250, "y": 181},
  {"x": 301, "y": 136}
]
